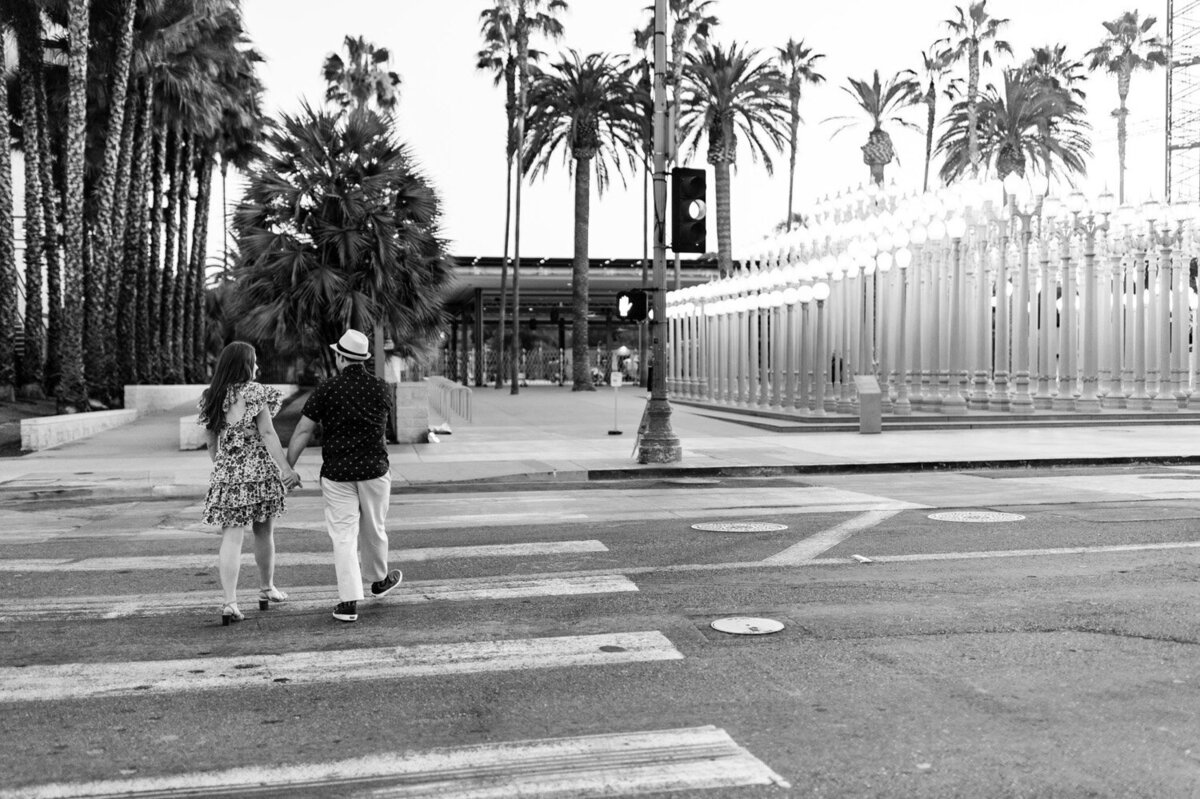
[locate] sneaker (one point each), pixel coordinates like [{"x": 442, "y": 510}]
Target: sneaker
[
  {"x": 346, "y": 611},
  {"x": 392, "y": 580}
]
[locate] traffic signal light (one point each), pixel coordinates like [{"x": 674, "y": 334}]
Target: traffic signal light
[
  {"x": 633, "y": 304},
  {"x": 689, "y": 209}
]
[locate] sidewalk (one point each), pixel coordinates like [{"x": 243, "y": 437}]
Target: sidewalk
[{"x": 548, "y": 434}]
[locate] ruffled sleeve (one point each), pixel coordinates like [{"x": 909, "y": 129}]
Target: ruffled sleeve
[{"x": 259, "y": 396}]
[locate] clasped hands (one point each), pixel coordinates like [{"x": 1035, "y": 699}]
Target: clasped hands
[{"x": 290, "y": 479}]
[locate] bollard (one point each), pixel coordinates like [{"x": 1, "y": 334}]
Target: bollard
[{"x": 870, "y": 404}]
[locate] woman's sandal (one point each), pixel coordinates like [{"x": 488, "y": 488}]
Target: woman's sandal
[
  {"x": 230, "y": 613},
  {"x": 268, "y": 595}
]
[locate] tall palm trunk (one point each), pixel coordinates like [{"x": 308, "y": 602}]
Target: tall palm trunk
[
  {"x": 930, "y": 122},
  {"x": 32, "y": 359},
  {"x": 116, "y": 273},
  {"x": 581, "y": 379},
  {"x": 522, "y": 100},
  {"x": 131, "y": 349},
  {"x": 793, "y": 133},
  {"x": 179, "y": 298},
  {"x": 170, "y": 278},
  {"x": 51, "y": 209},
  {"x": 156, "y": 314},
  {"x": 1123, "y": 80},
  {"x": 139, "y": 224},
  {"x": 73, "y": 389},
  {"x": 510, "y": 148},
  {"x": 199, "y": 248},
  {"x": 8, "y": 251},
  {"x": 972, "y": 107},
  {"x": 96, "y": 342},
  {"x": 724, "y": 228}
]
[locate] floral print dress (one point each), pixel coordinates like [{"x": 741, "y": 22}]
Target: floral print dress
[{"x": 245, "y": 485}]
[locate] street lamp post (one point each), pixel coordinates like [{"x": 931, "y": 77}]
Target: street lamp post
[{"x": 658, "y": 443}]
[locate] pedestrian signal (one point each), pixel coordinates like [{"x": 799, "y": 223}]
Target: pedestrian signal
[
  {"x": 632, "y": 305},
  {"x": 689, "y": 209}
]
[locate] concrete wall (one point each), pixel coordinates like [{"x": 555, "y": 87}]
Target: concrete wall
[
  {"x": 49, "y": 431},
  {"x": 412, "y": 413},
  {"x": 151, "y": 399}
]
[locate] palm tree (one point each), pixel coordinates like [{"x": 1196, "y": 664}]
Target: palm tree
[
  {"x": 933, "y": 67},
  {"x": 8, "y": 252},
  {"x": 1127, "y": 47},
  {"x": 590, "y": 109},
  {"x": 1010, "y": 125},
  {"x": 1058, "y": 77},
  {"x": 72, "y": 389},
  {"x": 727, "y": 91},
  {"x": 799, "y": 67},
  {"x": 533, "y": 16},
  {"x": 975, "y": 36},
  {"x": 882, "y": 103},
  {"x": 365, "y": 78},
  {"x": 338, "y": 229}
]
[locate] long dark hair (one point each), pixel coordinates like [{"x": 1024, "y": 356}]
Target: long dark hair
[{"x": 233, "y": 367}]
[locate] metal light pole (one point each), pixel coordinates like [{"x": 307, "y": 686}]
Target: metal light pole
[{"x": 658, "y": 444}]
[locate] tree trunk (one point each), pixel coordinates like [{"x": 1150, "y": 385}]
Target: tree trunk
[
  {"x": 931, "y": 102},
  {"x": 139, "y": 208},
  {"x": 32, "y": 366},
  {"x": 522, "y": 100},
  {"x": 793, "y": 131},
  {"x": 1122, "y": 113},
  {"x": 116, "y": 270},
  {"x": 8, "y": 251},
  {"x": 724, "y": 228},
  {"x": 51, "y": 208},
  {"x": 170, "y": 281},
  {"x": 156, "y": 308},
  {"x": 972, "y": 109},
  {"x": 504, "y": 275},
  {"x": 100, "y": 211},
  {"x": 72, "y": 389},
  {"x": 183, "y": 276},
  {"x": 131, "y": 340},
  {"x": 199, "y": 248},
  {"x": 581, "y": 378}
]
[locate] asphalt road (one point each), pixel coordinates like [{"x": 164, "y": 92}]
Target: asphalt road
[{"x": 558, "y": 643}]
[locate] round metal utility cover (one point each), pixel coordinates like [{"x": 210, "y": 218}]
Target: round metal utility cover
[
  {"x": 975, "y": 516},
  {"x": 739, "y": 527},
  {"x": 746, "y": 625}
]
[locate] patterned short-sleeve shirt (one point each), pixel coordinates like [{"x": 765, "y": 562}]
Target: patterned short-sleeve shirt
[{"x": 352, "y": 408}]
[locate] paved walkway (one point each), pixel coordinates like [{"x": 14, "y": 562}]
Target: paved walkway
[{"x": 550, "y": 434}]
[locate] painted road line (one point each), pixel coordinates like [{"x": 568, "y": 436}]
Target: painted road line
[
  {"x": 1016, "y": 553},
  {"x": 814, "y": 545},
  {"x": 142, "y": 678},
  {"x": 684, "y": 760},
  {"x": 209, "y": 561},
  {"x": 304, "y": 598}
]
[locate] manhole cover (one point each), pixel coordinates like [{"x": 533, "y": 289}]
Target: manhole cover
[
  {"x": 975, "y": 516},
  {"x": 746, "y": 625},
  {"x": 739, "y": 527}
]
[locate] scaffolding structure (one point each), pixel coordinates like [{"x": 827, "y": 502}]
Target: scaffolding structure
[{"x": 1183, "y": 102}]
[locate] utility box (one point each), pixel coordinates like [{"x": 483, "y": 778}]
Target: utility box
[{"x": 870, "y": 404}]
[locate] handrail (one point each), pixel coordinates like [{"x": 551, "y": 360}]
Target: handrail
[{"x": 447, "y": 397}]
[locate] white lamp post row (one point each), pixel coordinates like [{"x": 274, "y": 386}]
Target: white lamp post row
[{"x": 980, "y": 296}]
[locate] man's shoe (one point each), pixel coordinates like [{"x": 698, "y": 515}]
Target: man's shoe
[
  {"x": 346, "y": 611},
  {"x": 385, "y": 585}
]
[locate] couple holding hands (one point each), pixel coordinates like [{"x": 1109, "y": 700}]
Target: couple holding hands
[{"x": 252, "y": 474}]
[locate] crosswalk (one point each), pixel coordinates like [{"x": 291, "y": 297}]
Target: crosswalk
[{"x": 614, "y": 761}]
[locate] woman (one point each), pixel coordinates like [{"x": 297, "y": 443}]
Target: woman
[{"x": 250, "y": 474}]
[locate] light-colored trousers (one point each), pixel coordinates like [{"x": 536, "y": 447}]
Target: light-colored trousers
[{"x": 355, "y": 513}]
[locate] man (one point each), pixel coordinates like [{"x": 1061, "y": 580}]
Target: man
[{"x": 356, "y": 483}]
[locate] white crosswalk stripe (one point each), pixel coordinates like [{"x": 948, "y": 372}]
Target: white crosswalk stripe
[
  {"x": 163, "y": 562},
  {"x": 312, "y": 597},
  {"x": 689, "y": 759},
  {"x": 81, "y": 680}
]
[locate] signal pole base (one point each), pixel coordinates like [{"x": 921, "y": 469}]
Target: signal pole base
[{"x": 658, "y": 443}]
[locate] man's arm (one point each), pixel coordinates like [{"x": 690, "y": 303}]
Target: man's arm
[{"x": 299, "y": 439}]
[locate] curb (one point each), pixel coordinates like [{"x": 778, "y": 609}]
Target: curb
[{"x": 591, "y": 478}]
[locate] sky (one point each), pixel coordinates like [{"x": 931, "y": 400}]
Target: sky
[{"x": 453, "y": 117}]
